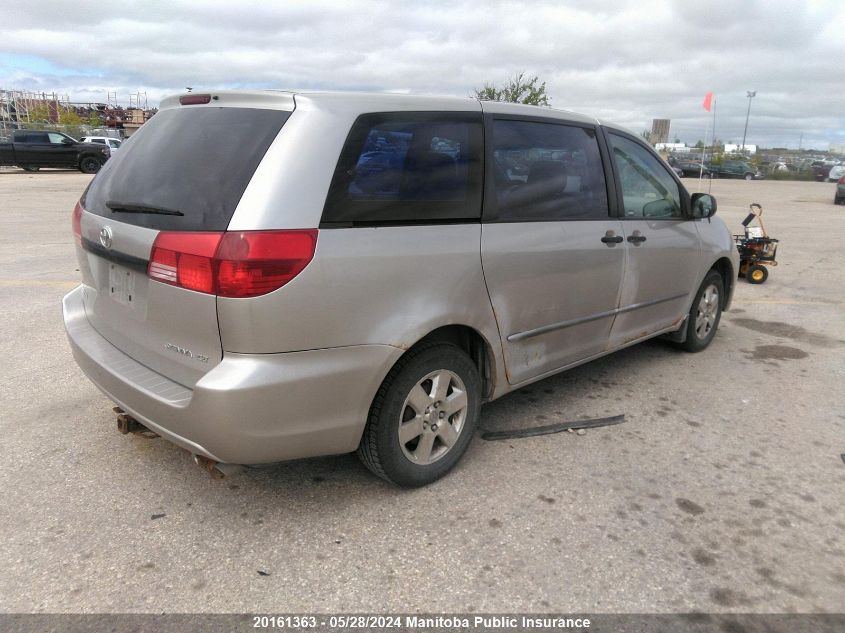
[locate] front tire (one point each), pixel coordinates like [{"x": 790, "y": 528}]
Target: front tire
[
  {"x": 90, "y": 165},
  {"x": 423, "y": 416},
  {"x": 705, "y": 313}
]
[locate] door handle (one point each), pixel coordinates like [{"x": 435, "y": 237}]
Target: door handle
[
  {"x": 636, "y": 238},
  {"x": 610, "y": 238}
]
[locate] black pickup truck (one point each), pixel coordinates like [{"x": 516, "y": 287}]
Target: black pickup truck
[{"x": 31, "y": 150}]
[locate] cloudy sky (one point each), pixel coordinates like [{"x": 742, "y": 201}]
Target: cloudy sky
[{"x": 625, "y": 61}]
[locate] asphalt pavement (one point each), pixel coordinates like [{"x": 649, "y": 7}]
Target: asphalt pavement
[{"x": 722, "y": 491}]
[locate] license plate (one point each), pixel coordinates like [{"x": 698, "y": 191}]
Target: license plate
[{"x": 122, "y": 285}]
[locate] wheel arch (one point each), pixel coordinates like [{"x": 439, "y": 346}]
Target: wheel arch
[
  {"x": 476, "y": 346},
  {"x": 725, "y": 268}
]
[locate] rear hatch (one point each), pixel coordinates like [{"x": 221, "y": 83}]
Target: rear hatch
[{"x": 178, "y": 179}]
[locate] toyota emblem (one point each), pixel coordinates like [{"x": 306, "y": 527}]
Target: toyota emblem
[{"x": 105, "y": 236}]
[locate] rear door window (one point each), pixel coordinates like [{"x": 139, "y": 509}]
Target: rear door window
[
  {"x": 408, "y": 167},
  {"x": 186, "y": 167},
  {"x": 543, "y": 172}
]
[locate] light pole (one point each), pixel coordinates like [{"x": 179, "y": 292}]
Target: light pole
[{"x": 751, "y": 94}]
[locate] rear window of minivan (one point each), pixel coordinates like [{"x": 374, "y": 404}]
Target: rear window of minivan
[
  {"x": 405, "y": 167},
  {"x": 185, "y": 169}
]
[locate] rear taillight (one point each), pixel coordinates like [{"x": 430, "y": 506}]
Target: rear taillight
[
  {"x": 842, "y": 180},
  {"x": 231, "y": 264},
  {"x": 185, "y": 259},
  {"x": 76, "y": 222}
]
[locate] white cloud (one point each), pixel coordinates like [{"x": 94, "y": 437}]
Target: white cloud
[{"x": 627, "y": 62}]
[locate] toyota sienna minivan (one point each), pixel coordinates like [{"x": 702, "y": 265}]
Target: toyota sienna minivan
[{"x": 271, "y": 275}]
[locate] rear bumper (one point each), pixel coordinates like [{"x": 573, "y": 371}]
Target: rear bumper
[{"x": 248, "y": 409}]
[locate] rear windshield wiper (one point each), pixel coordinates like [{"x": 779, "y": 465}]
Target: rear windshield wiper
[{"x": 121, "y": 207}]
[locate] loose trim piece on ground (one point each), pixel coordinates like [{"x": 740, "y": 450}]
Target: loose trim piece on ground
[{"x": 548, "y": 429}]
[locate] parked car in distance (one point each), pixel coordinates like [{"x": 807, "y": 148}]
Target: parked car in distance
[
  {"x": 836, "y": 172},
  {"x": 780, "y": 167},
  {"x": 734, "y": 169},
  {"x": 113, "y": 143},
  {"x": 839, "y": 197},
  {"x": 33, "y": 149},
  {"x": 821, "y": 170},
  {"x": 326, "y": 287},
  {"x": 678, "y": 171},
  {"x": 692, "y": 169}
]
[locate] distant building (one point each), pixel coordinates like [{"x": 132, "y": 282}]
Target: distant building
[
  {"x": 731, "y": 148},
  {"x": 836, "y": 148},
  {"x": 659, "y": 131},
  {"x": 672, "y": 147}
]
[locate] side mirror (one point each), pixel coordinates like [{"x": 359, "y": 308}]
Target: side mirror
[
  {"x": 703, "y": 206},
  {"x": 67, "y": 141}
]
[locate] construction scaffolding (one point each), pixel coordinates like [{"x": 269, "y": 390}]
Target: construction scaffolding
[
  {"x": 24, "y": 109},
  {"x": 18, "y": 108}
]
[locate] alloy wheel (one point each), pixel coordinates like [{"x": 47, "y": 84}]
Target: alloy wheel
[
  {"x": 432, "y": 417},
  {"x": 708, "y": 311}
]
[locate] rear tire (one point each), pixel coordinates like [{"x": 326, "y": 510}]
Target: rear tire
[
  {"x": 705, "y": 313},
  {"x": 90, "y": 165},
  {"x": 757, "y": 274},
  {"x": 423, "y": 416}
]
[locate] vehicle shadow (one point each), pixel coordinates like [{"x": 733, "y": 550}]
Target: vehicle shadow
[{"x": 327, "y": 490}]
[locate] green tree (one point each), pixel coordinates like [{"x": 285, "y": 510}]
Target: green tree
[
  {"x": 517, "y": 89},
  {"x": 69, "y": 117},
  {"x": 700, "y": 144},
  {"x": 40, "y": 113}
]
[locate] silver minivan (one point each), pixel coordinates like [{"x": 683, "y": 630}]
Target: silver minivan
[{"x": 272, "y": 275}]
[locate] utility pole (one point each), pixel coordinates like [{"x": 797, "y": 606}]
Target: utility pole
[{"x": 751, "y": 94}]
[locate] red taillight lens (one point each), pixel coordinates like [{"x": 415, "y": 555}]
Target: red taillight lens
[
  {"x": 237, "y": 264},
  {"x": 76, "y": 221},
  {"x": 255, "y": 263},
  {"x": 842, "y": 180},
  {"x": 185, "y": 259}
]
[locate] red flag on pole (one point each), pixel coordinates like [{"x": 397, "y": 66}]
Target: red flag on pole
[{"x": 708, "y": 101}]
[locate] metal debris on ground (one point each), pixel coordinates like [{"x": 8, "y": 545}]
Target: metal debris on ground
[{"x": 548, "y": 429}]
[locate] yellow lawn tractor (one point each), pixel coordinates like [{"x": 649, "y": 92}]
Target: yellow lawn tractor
[{"x": 756, "y": 249}]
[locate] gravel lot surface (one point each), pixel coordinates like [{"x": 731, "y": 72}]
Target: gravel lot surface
[{"x": 723, "y": 491}]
